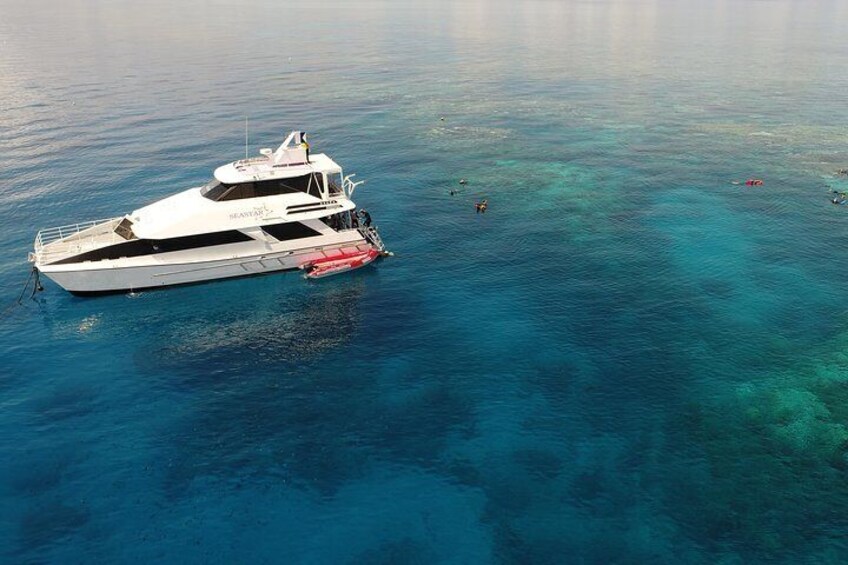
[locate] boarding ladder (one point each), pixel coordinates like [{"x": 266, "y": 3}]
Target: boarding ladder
[{"x": 370, "y": 234}]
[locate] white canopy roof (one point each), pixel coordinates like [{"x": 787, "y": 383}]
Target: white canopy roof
[
  {"x": 261, "y": 168},
  {"x": 289, "y": 160}
]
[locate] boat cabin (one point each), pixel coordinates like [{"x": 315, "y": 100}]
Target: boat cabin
[{"x": 284, "y": 171}]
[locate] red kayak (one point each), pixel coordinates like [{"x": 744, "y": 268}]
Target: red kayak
[{"x": 346, "y": 261}]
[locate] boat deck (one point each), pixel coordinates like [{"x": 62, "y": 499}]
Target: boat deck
[{"x": 55, "y": 244}]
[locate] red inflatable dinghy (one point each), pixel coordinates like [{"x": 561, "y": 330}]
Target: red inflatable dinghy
[{"x": 337, "y": 264}]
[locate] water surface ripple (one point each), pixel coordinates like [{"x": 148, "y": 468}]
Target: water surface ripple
[{"x": 629, "y": 358}]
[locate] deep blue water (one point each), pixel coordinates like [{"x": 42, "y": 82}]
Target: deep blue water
[{"x": 627, "y": 359}]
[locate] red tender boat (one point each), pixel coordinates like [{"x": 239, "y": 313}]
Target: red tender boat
[{"x": 336, "y": 264}]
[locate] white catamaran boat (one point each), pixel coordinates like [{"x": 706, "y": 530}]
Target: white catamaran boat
[{"x": 283, "y": 210}]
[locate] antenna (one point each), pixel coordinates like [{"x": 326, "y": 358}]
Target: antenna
[{"x": 245, "y": 137}]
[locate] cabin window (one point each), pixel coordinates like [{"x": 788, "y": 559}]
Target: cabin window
[
  {"x": 335, "y": 183},
  {"x": 214, "y": 189},
  {"x": 240, "y": 191},
  {"x": 289, "y": 230},
  {"x": 310, "y": 184},
  {"x": 138, "y": 247}
]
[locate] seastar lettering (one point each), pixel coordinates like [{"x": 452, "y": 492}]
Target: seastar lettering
[{"x": 248, "y": 214}]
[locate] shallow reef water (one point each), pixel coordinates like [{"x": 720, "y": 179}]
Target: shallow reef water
[{"x": 630, "y": 357}]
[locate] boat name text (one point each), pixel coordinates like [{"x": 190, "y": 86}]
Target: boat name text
[{"x": 255, "y": 213}]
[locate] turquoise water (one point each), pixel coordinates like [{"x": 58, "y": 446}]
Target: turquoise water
[{"x": 627, "y": 359}]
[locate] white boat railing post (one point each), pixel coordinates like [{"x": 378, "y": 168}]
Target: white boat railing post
[{"x": 349, "y": 185}]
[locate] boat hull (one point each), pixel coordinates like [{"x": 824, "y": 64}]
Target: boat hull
[{"x": 87, "y": 279}]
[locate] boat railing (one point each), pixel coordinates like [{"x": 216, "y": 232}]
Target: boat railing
[
  {"x": 251, "y": 161},
  {"x": 50, "y": 243}
]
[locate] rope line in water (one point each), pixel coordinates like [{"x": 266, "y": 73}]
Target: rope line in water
[
  {"x": 23, "y": 291},
  {"x": 35, "y": 288}
]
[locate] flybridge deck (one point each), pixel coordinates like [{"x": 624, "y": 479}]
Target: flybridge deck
[
  {"x": 261, "y": 168},
  {"x": 289, "y": 160}
]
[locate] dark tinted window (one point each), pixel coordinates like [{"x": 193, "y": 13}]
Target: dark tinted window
[
  {"x": 275, "y": 187},
  {"x": 310, "y": 184},
  {"x": 289, "y": 230},
  {"x": 140, "y": 247},
  {"x": 219, "y": 191},
  {"x": 240, "y": 191},
  {"x": 214, "y": 189}
]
